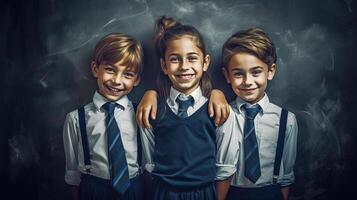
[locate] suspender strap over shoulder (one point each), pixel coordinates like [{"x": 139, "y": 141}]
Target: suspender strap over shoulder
[
  {"x": 84, "y": 137},
  {"x": 280, "y": 144}
]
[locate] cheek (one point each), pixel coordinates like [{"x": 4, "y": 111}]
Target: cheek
[
  {"x": 261, "y": 80},
  {"x": 104, "y": 77},
  {"x": 128, "y": 83},
  {"x": 236, "y": 82}
]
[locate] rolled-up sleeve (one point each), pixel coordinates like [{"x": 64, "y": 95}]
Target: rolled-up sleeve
[
  {"x": 70, "y": 142},
  {"x": 227, "y": 140},
  {"x": 289, "y": 154},
  {"x": 148, "y": 143}
]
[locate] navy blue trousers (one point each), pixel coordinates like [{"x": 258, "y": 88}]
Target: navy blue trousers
[
  {"x": 271, "y": 192},
  {"x": 94, "y": 188},
  {"x": 163, "y": 191}
]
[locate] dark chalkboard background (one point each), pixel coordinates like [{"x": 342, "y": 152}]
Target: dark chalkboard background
[{"x": 46, "y": 46}]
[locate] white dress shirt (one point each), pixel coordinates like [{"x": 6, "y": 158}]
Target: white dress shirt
[
  {"x": 226, "y": 139},
  {"x": 267, "y": 129},
  {"x": 97, "y": 139}
]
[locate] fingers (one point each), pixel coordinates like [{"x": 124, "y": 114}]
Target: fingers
[
  {"x": 210, "y": 109},
  {"x": 147, "y": 107},
  {"x": 138, "y": 116},
  {"x": 145, "y": 117},
  {"x": 224, "y": 115},
  {"x": 153, "y": 111},
  {"x": 221, "y": 113},
  {"x": 218, "y": 114}
]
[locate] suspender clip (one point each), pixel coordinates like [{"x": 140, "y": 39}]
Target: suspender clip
[
  {"x": 88, "y": 168},
  {"x": 275, "y": 179}
]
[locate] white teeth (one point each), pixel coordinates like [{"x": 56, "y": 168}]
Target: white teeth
[
  {"x": 113, "y": 89},
  {"x": 185, "y": 75}
]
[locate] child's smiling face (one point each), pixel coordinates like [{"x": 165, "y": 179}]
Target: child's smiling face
[
  {"x": 248, "y": 76},
  {"x": 116, "y": 80},
  {"x": 184, "y": 64}
]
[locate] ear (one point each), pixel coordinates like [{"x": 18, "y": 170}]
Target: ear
[
  {"x": 271, "y": 71},
  {"x": 163, "y": 66},
  {"x": 206, "y": 62},
  {"x": 94, "y": 68},
  {"x": 137, "y": 81},
  {"x": 225, "y": 72}
]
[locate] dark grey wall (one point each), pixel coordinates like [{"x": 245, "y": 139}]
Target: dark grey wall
[{"x": 46, "y": 46}]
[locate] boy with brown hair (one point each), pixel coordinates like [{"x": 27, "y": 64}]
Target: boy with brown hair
[
  {"x": 268, "y": 132},
  {"x": 101, "y": 143}
]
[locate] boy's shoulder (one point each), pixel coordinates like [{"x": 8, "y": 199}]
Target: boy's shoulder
[
  {"x": 269, "y": 107},
  {"x": 87, "y": 107}
]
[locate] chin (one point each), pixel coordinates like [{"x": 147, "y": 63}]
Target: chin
[{"x": 113, "y": 98}]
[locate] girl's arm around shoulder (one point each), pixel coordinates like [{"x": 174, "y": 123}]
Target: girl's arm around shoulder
[{"x": 218, "y": 107}]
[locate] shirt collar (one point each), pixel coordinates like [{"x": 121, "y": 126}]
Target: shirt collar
[
  {"x": 99, "y": 100},
  {"x": 263, "y": 103},
  {"x": 196, "y": 94}
]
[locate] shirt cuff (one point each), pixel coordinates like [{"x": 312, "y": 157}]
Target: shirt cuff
[
  {"x": 72, "y": 177},
  {"x": 287, "y": 179},
  {"x": 225, "y": 171},
  {"x": 149, "y": 167}
]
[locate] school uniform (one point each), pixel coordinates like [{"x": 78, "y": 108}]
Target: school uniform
[
  {"x": 185, "y": 155},
  {"x": 87, "y": 160},
  {"x": 267, "y": 123}
]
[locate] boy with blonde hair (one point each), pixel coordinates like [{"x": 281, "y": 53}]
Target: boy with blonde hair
[{"x": 101, "y": 143}]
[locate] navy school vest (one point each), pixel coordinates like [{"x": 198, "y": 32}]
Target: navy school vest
[{"x": 185, "y": 149}]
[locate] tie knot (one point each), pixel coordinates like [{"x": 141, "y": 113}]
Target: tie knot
[
  {"x": 109, "y": 107},
  {"x": 252, "y": 111},
  {"x": 184, "y": 104}
]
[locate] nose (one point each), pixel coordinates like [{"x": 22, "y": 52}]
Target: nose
[
  {"x": 117, "y": 79},
  {"x": 248, "y": 80},
  {"x": 184, "y": 64}
]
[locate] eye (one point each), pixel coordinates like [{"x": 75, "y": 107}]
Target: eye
[
  {"x": 129, "y": 75},
  {"x": 109, "y": 70},
  {"x": 256, "y": 72},
  {"x": 192, "y": 58},
  {"x": 174, "y": 59},
  {"x": 238, "y": 74}
]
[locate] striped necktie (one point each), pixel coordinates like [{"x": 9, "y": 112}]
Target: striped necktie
[
  {"x": 251, "y": 152},
  {"x": 183, "y": 106},
  {"x": 116, "y": 153}
]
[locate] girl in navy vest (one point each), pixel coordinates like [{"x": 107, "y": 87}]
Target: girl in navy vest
[{"x": 184, "y": 151}]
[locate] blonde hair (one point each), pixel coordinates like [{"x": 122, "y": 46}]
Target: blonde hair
[
  {"x": 118, "y": 47},
  {"x": 253, "y": 41}
]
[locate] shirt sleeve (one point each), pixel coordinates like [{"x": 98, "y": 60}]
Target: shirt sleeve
[
  {"x": 227, "y": 140},
  {"x": 147, "y": 140},
  {"x": 289, "y": 153},
  {"x": 70, "y": 142}
]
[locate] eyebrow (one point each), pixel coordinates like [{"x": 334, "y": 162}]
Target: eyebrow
[
  {"x": 253, "y": 68},
  {"x": 177, "y": 54},
  {"x": 193, "y": 53},
  {"x": 256, "y": 67}
]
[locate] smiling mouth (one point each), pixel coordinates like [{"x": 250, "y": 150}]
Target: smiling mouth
[
  {"x": 113, "y": 89},
  {"x": 248, "y": 90},
  {"x": 185, "y": 76}
]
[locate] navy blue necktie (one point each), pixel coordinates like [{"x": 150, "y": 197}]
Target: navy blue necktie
[
  {"x": 251, "y": 151},
  {"x": 183, "y": 106},
  {"x": 116, "y": 153}
]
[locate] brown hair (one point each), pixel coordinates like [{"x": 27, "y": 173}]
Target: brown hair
[
  {"x": 253, "y": 41},
  {"x": 117, "y": 47},
  {"x": 168, "y": 29}
]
